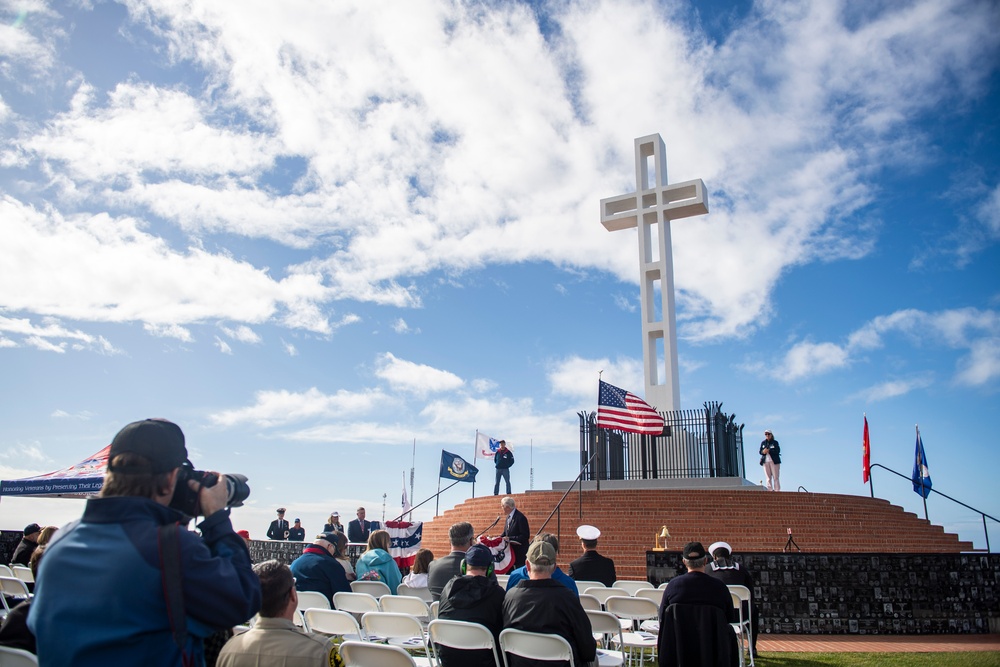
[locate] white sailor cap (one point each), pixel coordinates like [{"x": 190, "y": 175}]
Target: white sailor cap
[
  {"x": 720, "y": 545},
  {"x": 588, "y": 532}
]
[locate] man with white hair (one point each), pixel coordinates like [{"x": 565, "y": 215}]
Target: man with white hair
[
  {"x": 515, "y": 529},
  {"x": 318, "y": 569}
]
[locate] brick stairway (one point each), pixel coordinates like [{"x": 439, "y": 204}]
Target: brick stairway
[{"x": 750, "y": 520}]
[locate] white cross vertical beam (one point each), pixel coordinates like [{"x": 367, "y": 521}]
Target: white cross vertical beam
[{"x": 656, "y": 203}]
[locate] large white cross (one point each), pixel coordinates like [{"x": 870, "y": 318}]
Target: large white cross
[{"x": 656, "y": 204}]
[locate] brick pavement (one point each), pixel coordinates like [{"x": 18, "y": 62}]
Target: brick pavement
[{"x": 877, "y": 644}]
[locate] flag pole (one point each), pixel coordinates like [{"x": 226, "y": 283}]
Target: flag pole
[
  {"x": 868, "y": 456},
  {"x": 413, "y": 467},
  {"x": 437, "y": 497},
  {"x": 475, "y": 453}
]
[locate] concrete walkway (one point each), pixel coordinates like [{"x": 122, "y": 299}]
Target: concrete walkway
[{"x": 877, "y": 644}]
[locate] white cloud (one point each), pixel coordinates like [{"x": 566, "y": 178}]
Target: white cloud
[
  {"x": 577, "y": 377},
  {"x": 223, "y": 346},
  {"x": 289, "y": 348},
  {"x": 975, "y": 333},
  {"x": 168, "y": 330},
  {"x": 242, "y": 333},
  {"x": 418, "y": 379},
  {"x": 894, "y": 388},
  {"x": 787, "y": 119},
  {"x": 83, "y": 415},
  {"x": 273, "y": 408},
  {"x": 400, "y": 326},
  {"x": 25, "y": 451}
]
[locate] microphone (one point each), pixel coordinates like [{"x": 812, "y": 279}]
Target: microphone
[{"x": 495, "y": 521}]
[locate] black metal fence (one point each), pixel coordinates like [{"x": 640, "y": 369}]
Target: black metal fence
[{"x": 694, "y": 443}]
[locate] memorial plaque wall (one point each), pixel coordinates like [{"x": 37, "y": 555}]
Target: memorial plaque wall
[
  {"x": 279, "y": 550},
  {"x": 8, "y": 542},
  {"x": 801, "y": 593}
]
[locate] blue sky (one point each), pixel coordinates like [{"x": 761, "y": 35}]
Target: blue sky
[{"x": 312, "y": 236}]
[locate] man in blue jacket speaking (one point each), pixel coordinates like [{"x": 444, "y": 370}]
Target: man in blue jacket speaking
[{"x": 116, "y": 589}]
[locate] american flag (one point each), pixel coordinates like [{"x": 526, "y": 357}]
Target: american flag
[{"x": 624, "y": 411}]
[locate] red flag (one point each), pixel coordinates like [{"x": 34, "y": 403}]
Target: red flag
[{"x": 866, "y": 460}]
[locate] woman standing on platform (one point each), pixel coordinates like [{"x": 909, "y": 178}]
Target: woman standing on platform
[{"x": 770, "y": 458}]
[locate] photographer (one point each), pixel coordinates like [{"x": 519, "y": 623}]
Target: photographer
[{"x": 127, "y": 584}]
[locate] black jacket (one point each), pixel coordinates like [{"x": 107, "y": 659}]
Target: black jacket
[
  {"x": 592, "y": 566},
  {"x": 442, "y": 570},
  {"x": 276, "y": 531},
  {"x": 696, "y": 635},
  {"x": 774, "y": 448},
  {"x": 545, "y": 605},
  {"x": 476, "y": 600},
  {"x": 358, "y": 532},
  {"x": 22, "y": 554},
  {"x": 516, "y": 529},
  {"x": 504, "y": 459}
]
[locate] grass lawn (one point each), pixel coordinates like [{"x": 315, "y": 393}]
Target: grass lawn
[{"x": 960, "y": 659}]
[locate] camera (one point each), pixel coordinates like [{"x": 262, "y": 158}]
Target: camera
[{"x": 186, "y": 500}]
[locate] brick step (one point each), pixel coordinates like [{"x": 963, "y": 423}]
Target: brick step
[{"x": 821, "y": 523}]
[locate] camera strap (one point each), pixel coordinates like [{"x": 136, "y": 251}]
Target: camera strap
[{"x": 173, "y": 591}]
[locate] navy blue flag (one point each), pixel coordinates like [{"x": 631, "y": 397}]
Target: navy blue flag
[
  {"x": 921, "y": 477},
  {"x": 455, "y": 467}
]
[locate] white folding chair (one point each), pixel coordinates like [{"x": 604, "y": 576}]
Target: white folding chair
[
  {"x": 583, "y": 584},
  {"x": 365, "y": 654},
  {"x": 608, "y": 631},
  {"x": 634, "y": 610},
  {"x": 423, "y": 593},
  {"x": 23, "y": 573},
  {"x": 590, "y": 602},
  {"x": 603, "y": 593},
  {"x": 15, "y": 657},
  {"x": 334, "y": 623},
  {"x": 741, "y": 594},
  {"x": 535, "y": 645},
  {"x": 14, "y": 587},
  {"x": 374, "y": 588},
  {"x": 462, "y": 635},
  {"x": 309, "y": 600},
  {"x": 631, "y": 585},
  {"x": 400, "y": 630},
  {"x": 405, "y": 604},
  {"x": 355, "y": 603},
  {"x": 502, "y": 580},
  {"x": 5, "y": 571},
  {"x": 663, "y": 585},
  {"x": 654, "y": 594},
  {"x": 434, "y": 609}
]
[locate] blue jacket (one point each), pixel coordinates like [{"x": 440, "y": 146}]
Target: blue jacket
[
  {"x": 316, "y": 570},
  {"x": 380, "y": 561},
  {"x": 99, "y": 595},
  {"x": 521, "y": 574}
]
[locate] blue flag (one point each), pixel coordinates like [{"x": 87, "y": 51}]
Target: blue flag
[
  {"x": 455, "y": 467},
  {"x": 921, "y": 474}
]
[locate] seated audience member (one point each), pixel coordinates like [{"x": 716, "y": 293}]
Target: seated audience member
[
  {"x": 46, "y": 534},
  {"x": 695, "y": 586},
  {"x": 297, "y": 533},
  {"x": 520, "y": 574},
  {"x": 376, "y": 564},
  {"x": 342, "y": 555},
  {"x": 442, "y": 570},
  {"x": 274, "y": 639},
  {"x": 541, "y": 604},
  {"x": 317, "y": 568},
  {"x": 729, "y": 572},
  {"x": 592, "y": 566},
  {"x": 475, "y": 598},
  {"x": 14, "y": 632},
  {"x": 28, "y": 543},
  {"x": 417, "y": 578}
]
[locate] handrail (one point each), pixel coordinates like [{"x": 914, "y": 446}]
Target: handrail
[
  {"x": 983, "y": 514},
  {"x": 559, "y": 504},
  {"x": 802, "y": 488}
]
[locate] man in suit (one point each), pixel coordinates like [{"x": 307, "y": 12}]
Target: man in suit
[
  {"x": 358, "y": 529},
  {"x": 516, "y": 530},
  {"x": 592, "y": 566},
  {"x": 278, "y": 530},
  {"x": 444, "y": 569}
]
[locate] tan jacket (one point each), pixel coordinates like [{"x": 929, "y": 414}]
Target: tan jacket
[{"x": 276, "y": 642}]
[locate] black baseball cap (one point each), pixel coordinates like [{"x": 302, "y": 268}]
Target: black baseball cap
[
  {"x": 693, "y": 551},
  {"x": 159, "y": 441}
]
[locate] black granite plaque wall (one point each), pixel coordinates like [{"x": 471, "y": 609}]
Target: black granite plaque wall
[
  {"x": 8, "y": 542},
  {"x": 279, "y": 550},
  {"x": 864, "y": 593}
]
